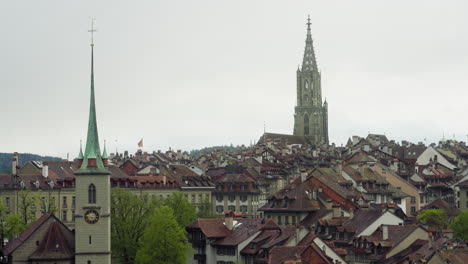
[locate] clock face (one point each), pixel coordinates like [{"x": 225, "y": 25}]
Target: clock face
[{"x": 91, "y": 216}]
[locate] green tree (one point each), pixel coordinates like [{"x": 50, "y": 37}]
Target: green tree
[
  {"x": 164, "y": 241},
  {"x": 26, "y": 202},
  {"x": 10, "y": 224},
  {"x": 184, "y": 212},
  {"x": 47, "y": 201},
  {"x": 206, "y": 209},
  {"x": 130, "y": 214},
  {"x": 434, "y": 218},
  {"x": 460, "y": 226}
]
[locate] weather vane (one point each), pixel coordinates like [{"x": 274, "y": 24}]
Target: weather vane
[{"x": 92, "y": 30}]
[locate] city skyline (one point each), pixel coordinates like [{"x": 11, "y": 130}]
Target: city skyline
[{"x": 202, "y": 78}]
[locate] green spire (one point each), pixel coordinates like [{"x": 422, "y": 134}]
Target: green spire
[
  {"x": 92, "y": 149},
  {"x": 80, "y": 156},
  {"x": 104, "y": 152}
]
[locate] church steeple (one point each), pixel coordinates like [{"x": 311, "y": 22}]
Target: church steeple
[
  {"x": 92, "y": 159},
  {"x": 308, "y": 62}
]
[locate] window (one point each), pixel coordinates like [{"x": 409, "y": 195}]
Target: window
[
  {"x": 466, "y": 193},
  {"x": 231, "y": 251},
  {"x": 232, "y": 198},
  {"x": 306, "y": 125},
  {"x": 243, "y": 208},
  {"x": 280, "y": 220},
  {"x": 220, "y": 251},
  {"x": 219, "y": 208},
  {"x": 413, "y": 210},
  {"x": 193, "y": 198},
  {"x": 286, "y": 220},
  {"x": 232, "y": 208},
  {"x": 466, "y": 204},
  {"x": 219, "y": 187},
  {"x": 413, "y": 200},
  {"x": 64, "y": 202},
  {"x": 231, "y": 187},
  {"x": 243, "y": 198},
  {"x": 219, "y": 198},
  {"x": 200, "y": 198},
  {"x": 89, "y": 261},
  {"x": 7, "y": 201},
  {"x": 243, "y": 187},
  {"x": 64, "y": 215},
  {"x": 293, "y": 220},
  {"x": 90, "y": 240},
  {"x": 73, "y": 215},
  {"x": 92, "y": 194},
  {"x": 73, "y": 201}
]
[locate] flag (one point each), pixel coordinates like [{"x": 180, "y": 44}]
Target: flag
[{"x": 140, "y": 144}]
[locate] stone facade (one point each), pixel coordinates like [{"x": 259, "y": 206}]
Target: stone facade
[{"x": 311, "y": 114}]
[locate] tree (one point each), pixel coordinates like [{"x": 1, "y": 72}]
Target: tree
[
  {"x": 47, "y": 201},
  {"x": 434, "y": 218},
  {"x": 10, "y": 224},
  {"x": 460, "y": 226},
  {"x": 164, "y": 241},
  {"x": 206, "y": 209},
  {"x": 130, "y": 214},
  {"x": 184, "y": 212},
  {"x": 26, "y": 201}
]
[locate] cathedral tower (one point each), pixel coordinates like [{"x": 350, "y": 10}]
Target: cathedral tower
[
  {"x": 311, "y": 115},
  {"x": 92, "y": 215}
]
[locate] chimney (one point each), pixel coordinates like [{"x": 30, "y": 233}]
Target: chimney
[
  {"x": 328, "y": 204},
  {"x": 336, "y": 211},
  {"x": 303, "y": 174},
  {"x": 164, "y": 179},
  {"x": 384, "y": 232},
  {"x": 45, "y": 169},
  {"x": 14, "y": 163},
  {"x": 229, "y": 219}
]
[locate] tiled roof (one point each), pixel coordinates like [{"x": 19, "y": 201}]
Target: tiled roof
[
  {"x": 54, "y": 246},
  {"x": 211, "y": 228},
  {"x": 279, "y": 254},
  {"x": 245, "y": 228}
]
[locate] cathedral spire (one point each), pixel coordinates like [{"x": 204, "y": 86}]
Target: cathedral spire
[
  {"x": 308, "y": 62},
  {"x": 92, "y": 159}
]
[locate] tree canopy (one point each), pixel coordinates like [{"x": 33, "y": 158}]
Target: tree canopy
[
  {"x": 164, "y": 240},
  {"x": 433, "y": 218},
  {"x": 11, "y": 225},
  {"x": 184, "y": 212},
  {"x": 130, "y": 216},
  {"x": 460, "y": 226}
]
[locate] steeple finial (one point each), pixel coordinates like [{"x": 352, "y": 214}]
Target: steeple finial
[
  {"x": 92, "y": 30},
  {"x": 308, "y": 23},
  {"x": 104, "y": 152}
]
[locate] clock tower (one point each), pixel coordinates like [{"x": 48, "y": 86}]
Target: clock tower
[{"x": 92, "y": 214}]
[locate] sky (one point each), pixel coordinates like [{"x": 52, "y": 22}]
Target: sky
[{"x": 191, "y": 74}]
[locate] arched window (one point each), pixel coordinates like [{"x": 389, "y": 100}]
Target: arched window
[
  {"x": 306, "y": 125},
  {"x": 306, "y": 85},
  {"x": 306, "y": 98},
  {"x": 92, "y": 194}
]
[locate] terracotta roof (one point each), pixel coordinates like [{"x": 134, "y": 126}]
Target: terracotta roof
[
  {"x": 211, "y": 228},
  {"x": 279, "y": 254},
  {"x": 243, "y": 229},
  {"x": 54, "y": 246}
]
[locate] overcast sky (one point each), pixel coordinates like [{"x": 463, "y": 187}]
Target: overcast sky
[{"x": 190, "y": 74}]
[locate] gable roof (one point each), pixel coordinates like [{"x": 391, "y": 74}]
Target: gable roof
[
  {"x": 54, "y": 245},
  {"x": 14, "y": 244}
]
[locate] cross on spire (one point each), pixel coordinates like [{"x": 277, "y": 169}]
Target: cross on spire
[{"x": 92, "y": 30}]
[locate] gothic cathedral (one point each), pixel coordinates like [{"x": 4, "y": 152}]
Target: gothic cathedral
[
  {"x": 311, "y": 115},
  {"x": 92, "y": 216}
]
